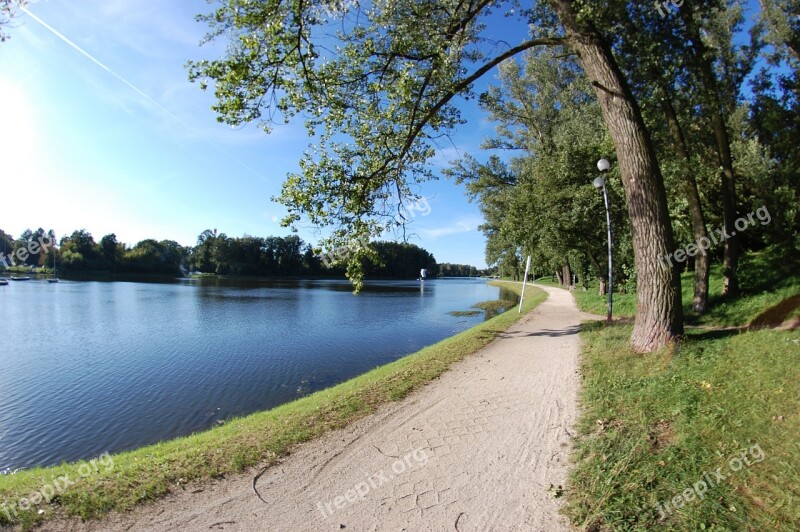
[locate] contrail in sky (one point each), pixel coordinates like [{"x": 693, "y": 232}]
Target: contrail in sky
[
  {"x": 97, "y": 62},
  {"x": 130, "y": 85}
]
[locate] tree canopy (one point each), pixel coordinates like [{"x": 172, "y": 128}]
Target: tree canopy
[
  {"x": 214, "y": 253},
  {"x": 377, "y": 85},
  {"x": 8, "y": 9}
]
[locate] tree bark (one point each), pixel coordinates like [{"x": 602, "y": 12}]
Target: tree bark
[
  {"x": 602, "y": 277},
  {"x": 701, "y": 264},
  {"x": 730, "y": 262},
  {"x": 567, "y": 275},
  {"x": 659, "y": 316},
  {"x": 715, "y": 111}
]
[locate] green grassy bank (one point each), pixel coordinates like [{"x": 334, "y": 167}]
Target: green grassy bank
[
  {"x": 766, "y": 279},
  {"x": 151, "y": 472},
  {"x": 655, "y": 428},
  {"x": 653, "y": 425}
]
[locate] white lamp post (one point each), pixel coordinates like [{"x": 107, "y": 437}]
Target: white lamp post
[{"x": 603, "y": 165}]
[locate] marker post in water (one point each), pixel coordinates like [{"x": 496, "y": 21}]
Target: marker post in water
[{"x": 524, "y": 280}]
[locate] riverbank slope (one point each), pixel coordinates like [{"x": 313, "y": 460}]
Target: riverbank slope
[
  {"x": 484, "y": 446},
  {"x": 147, "y": 474}
]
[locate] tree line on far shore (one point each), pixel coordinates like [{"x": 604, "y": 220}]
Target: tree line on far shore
[{"x": 217, "y": 253}]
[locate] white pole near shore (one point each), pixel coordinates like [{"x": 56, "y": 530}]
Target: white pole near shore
[{"x": 524, "y": 280}]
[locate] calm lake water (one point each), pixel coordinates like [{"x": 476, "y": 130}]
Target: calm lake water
[{"x": 89, "y": 367}]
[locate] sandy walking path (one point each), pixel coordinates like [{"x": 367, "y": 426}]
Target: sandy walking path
[{"x": 477, "y": 449}]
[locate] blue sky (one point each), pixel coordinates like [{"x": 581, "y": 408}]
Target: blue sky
[
  {"x": 121, "y": 142},
  {"x": 143, "y": 156}
]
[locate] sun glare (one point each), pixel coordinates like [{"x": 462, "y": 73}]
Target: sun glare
[{"x": 17, "y": 133}]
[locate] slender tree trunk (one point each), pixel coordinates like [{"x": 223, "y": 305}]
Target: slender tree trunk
[
  {"x": 730, "y": 262},
  {"x": 567, "y": 275},
  {"x": 599, "y": 269},
  {"x": 659, "y": 316},
  {"x": 701, "y": 265},
  {"x": 714, "y": 109},
  {"x": 560, "y": 278}
]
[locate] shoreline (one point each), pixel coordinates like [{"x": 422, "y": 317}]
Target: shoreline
[{"x": 151, "y": 472}]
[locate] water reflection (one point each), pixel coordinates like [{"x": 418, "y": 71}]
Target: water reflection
[{"x": 89, "y": 367}]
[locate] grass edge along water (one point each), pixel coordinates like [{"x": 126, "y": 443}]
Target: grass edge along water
[{"x": 151, "y": 472}]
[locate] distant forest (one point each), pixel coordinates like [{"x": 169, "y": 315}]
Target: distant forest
[{"x": 216, "y": 254}]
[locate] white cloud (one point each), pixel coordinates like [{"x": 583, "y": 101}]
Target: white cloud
[
  {"x": 464, "y": 225},
  {"x": 444, "y": 156}
]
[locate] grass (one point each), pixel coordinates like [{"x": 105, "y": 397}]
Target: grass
[
  {"x": 765, "y": 277},
  {"x": 489, "y": 308},
  {"x": 624, "y": 305},
  {"x": 653, "y": 425},
  {"x": 495, "y": 304},
  {"x": 151, "y": 472},
  {"x": 458, "y": 313},
  {"x": 206, "y": 276},
  {"x": 766, "y": 281}
]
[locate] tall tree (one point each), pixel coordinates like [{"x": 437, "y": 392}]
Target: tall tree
[
  {"x": 782, "y": 19},
  {"x": 659, "y": 316},
  {"x": 692, "y": 193},
  {"x": 650, "y": 53},
  {"x": 543, "y": 201},
  {"x": 378, "y": 89},
  {"x": 721, "y": 68}
]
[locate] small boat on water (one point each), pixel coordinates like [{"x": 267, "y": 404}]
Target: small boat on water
[
  {"x": 3, "y": 282},
  {"x": 20, "y": 278}
]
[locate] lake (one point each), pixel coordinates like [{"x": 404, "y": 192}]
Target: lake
[{"x": 90, "y": 367}]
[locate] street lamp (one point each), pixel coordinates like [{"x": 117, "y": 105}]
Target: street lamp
[{"x": 603, "y": 165}]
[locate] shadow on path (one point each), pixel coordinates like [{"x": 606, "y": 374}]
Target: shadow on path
[{"x": 553, "y": 333}]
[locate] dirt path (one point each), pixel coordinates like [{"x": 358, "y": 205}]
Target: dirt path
[{"x": 477, "y": 449}]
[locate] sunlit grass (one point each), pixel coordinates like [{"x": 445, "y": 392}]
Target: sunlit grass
[
  {"x": 495, "y": 304},
  {"x": 766, "y": 279},
  {"x": 652, "y": 425}
]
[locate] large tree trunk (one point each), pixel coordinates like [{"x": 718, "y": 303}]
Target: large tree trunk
[
  {"x": 701, "y": 264},
  {"x": 659, "y": 316},
  {"x": 714, "y": 109},
  {"x": 567, "y": 275}
]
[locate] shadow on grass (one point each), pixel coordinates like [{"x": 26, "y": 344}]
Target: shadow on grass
[
  {"x": 775, "y": 316},
  {"x": 766, "y": 271},
  {"x": 595, "y": 325},
  {"x": 698, "y": 335}
]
